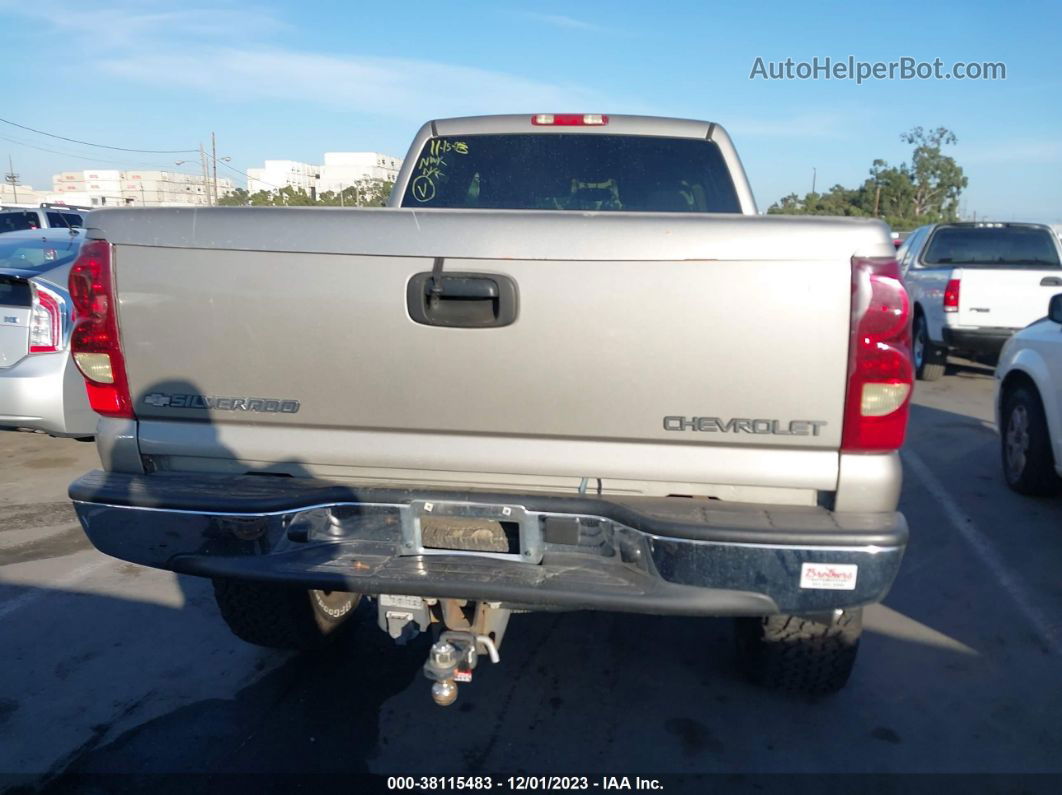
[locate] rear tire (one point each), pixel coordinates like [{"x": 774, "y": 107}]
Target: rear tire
[
  {"x": 281, "y": 617},
  {"x": 1028, "y": 463},
  {"x": 799, "y": 655},
  {"x": 929, "y": 359}
]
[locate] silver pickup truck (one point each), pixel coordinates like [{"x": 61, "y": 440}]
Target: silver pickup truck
[{"x": 569, "y": 368}]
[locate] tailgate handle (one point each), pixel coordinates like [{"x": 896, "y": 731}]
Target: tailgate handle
[
  {"x": 461, "y": 300},
  {"x": 462, "y": 287},
  {"x": 1051, "y": 281}
]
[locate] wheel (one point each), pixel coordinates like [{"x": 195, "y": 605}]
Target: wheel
[
  {"x": 799, "y": 655},
  {"x": 280, "y": 617},
  {"x": 1028, "y": 464},
  {"x": 929, "y": 359}
]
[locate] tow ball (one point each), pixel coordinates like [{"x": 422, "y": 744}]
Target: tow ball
[
  {"x": 472, "y": 629},
  {"x": 452, "y": 659}
]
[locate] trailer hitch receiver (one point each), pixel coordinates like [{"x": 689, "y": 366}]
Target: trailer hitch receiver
[{"x": 452, "y": 659}]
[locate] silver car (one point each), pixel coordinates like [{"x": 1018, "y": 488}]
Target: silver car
[{"x": 40, "y": 388}]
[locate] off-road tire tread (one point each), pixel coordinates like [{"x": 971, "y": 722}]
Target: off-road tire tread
[
  {"x": 274, "y": 616},
  {"x": 798, "y": 655}
]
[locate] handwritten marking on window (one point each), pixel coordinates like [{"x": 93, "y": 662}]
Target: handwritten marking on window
[
  {"x": 423, "y": 188},
  {"x": 430, "y": 167}
]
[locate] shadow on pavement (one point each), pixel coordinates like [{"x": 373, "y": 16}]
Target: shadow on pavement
[
  {"x": 306, "y": 713},
  {"x": 575, "y": 692},
  {"x": 969, "y": 368}
]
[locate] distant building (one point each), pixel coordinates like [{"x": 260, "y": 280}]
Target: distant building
[
  {"x": 343, "y": 169},
  {"x": 110, "y": 188},
  {"x": 279, "y": 174},
  {"x": 340, "y": 170},
  {"x": 21, "y": 194}
]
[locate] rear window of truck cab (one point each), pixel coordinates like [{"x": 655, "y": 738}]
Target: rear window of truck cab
[
  {"x": 523, "y": 171},
  {"x": 992, "y": 245}
]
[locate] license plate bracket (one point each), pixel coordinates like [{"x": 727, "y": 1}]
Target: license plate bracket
[{"x": 505, "y": 532}]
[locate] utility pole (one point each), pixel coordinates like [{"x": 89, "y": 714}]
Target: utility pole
[
  {"x": 214, "y": 160},
  {"x": 206, "y": 174},
  {"x": 12, "y": 178},
  {"x": 877, "y": 199},
  {"x": 813, "y": 175}
]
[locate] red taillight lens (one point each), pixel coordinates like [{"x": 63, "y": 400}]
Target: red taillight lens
[
  {"x": 569, "y": 119},
  {"x": 880, "y": 373},
  {"x": 94, "y": 343},
  {"x": 951, "y": 296},
  {"x": 46, "y": 325}
]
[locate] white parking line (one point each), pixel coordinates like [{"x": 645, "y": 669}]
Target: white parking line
[
  {"x": 65, "y": 582},
  {"x": 984, "y": 550}
]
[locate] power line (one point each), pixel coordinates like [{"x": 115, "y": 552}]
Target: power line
[
  {"x": 256, "y": 179},
  {"x": 102, "y": 146},
  {"x": 71, "y": 154}
]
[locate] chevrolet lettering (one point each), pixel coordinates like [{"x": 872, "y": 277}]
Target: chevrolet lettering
[{"x": 736, "y": 425}]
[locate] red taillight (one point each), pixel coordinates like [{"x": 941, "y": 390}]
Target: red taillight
[
  {"x": 569, "y": 119},
  {"x": 951, "y": 296},
  {"x": 94, "y": 343},
  {"x": 880, "y": 374},
  {"x": 46, "y": 327}
]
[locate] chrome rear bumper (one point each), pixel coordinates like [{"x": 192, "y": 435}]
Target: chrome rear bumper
[{"x": 643, "y": 555}]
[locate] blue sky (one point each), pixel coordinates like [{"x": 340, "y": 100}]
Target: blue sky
[{"x": 292, "y": 80}]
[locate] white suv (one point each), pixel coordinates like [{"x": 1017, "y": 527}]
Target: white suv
[
  {"x": 1029, "y": 404},
  {"x": 47, "y": 216}
]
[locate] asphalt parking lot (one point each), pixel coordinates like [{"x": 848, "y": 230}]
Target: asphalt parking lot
[{"x": 109, "y": 667}]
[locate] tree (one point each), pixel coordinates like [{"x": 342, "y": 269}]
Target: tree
[
  {"x": 363, "y": 193},
  {"x": 838, "y": 201},
  {"x": 888, "y": 193},
  {"x": 262, "y": 198},
  {"x": 292, "y": 197},
  {"x": 238, "y": 198},
  {"x": 905, "y": 196},
  {"x": 938, "y": 180}
]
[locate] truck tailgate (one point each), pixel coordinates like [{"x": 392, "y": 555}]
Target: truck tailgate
[
  {"x": 704, "y": 349},
  {"x": 1005, "y": 297}
]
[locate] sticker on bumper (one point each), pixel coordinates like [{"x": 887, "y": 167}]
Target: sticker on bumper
[{"x": 829, "y": 576}]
